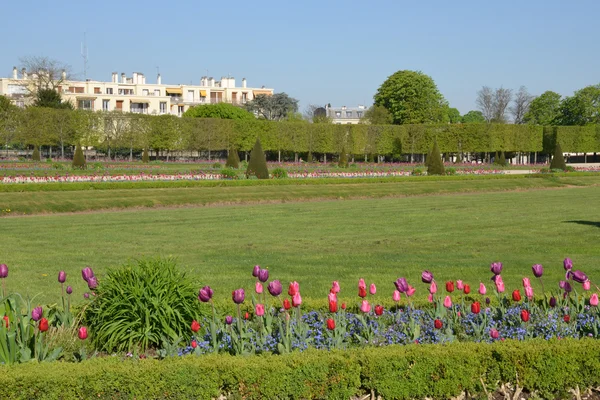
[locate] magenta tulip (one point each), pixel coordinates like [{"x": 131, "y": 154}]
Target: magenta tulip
[
  {"x": 37, "y": 313},
  {"x": 579, "y": 276},
  {"x": 238, "y": 296},
  {"x": 259, "y": 310},
  {"x": 401, "y": 285},
  {"x": 69, "y": 290},
  {"x": 229, "y": 320},
  {"x": 275, "y": 288},
  {"x": 568, "y": 264},
  {"x": 263, "y": 275},
  {"x": 205, "y": 294},
  {"x": 255, "y": 271},
  {"x": 62, "y": 277},
  {"x": 496, "y": 268},
  {"x": 538, "y": 270},
  {"x": 426, "y": 277},
  {"x": 92, "y": 283},
  {"x": 83, "y": 334},
  {"x": 3, "y": 271},
  {"x": 87, "y": 273},
  {"x": 372, "y": 289}
]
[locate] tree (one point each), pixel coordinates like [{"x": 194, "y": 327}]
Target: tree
[
  {"x": 273, "y": 108},
  {"x": 50, "y": 98},
  {"x": 35, "y": 156},
  {"x": 316, "y": 114},
  {"x": 435, "y": 166},
  {"x": 453, "y": 115},
  {"x": 521, "y": 104},
  {"x": 220, "y": 110},
  {"x": 558, "y": 161},
  {"x": 45, "y": 73},
  {"x": 343, "y": 161},
  {"x": 145, "y": 157},
  {"x": 377, "y": 115},
  {"x": 412, "y": 98},
  {"x": 258, "y": 162},
  {"x": 544, "y": 109},
  {"x": 493, "y": 103},
  {"x": 473, "y": 117},
  {"x": 582, "y": 108},
  {"x": 78, "y": 158},
  {"x": 233, "y": 158}
]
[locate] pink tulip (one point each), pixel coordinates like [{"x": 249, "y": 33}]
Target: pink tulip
[
  {"x": 430, "y": 298},
  {"x": 499, "y": 284},
  {"x": 594, "y": 300},
  {"x": 335, "y": 287},
  {"x": 587, "y": 285},
  {"x": 460, "y": 285},
  {"x": 365, "y": 306},
  {"x": 332, "y": 297},
  {"x": 259, "y": 287},
  {"x": 447, "y": 302},
  {"x": 529, "y": 292},
  {"x": 259, "y": 310},
  {"x": 372, "y": 288},
  {"x": 494, "y": 334},
  {"x": 433, "y": 288},
  {"x": 482, "y": 289},
  {"x": 296, "y": 300},
  {"x": 526, "y": 282},
  {"x": 411, "y": 290},
  {"x": 362, "y": 284},
  {"x": 396, "y": 296}
]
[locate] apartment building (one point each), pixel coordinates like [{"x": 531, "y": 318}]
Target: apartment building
[
  {"x": 345, "y": 115},
  {"x": 134, "y": 94}
]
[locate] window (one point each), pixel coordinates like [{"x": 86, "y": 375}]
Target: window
[
  {"x": 105, "y": 105},
  {"x": 97, "y": 90},
  {"x": 84, "y": 104},
  {"x": 119, "y": 105},
  {"x": 17, "y": 89},
  {"x": 244, "y": 97},
  {"x": 157, "y": 92},
  {"x": 179, "y": 110},
  {"x": 190, "y": 95},
  {"x": 338, "y": 114},
  {"x": 109, "y": 90},
  {"x": 348, "y": 114},
  {"x": 144, "y": 92},
  {"x": 126, "y": 92},
  {"x": 75, "y": 89},
  {"x": 163, "y": 107},
  {"x": 139, "y": 108},
  {"x": 359, "y": 114}
]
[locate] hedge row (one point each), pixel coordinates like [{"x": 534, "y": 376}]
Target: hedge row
[
  {"x": 548, "y": 368},
  {"x": 572, "y": 139}
]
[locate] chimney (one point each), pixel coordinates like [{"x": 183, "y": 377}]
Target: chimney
[
  {"x": 63, "y": 75},
  {"x": 158, "y": 80},
  {"x": 115, "y": 77},
  {"x": 123, "y": 78},
  {"x": 15, "y": 74},
  {"x": 24, "y": 73},
  {"x": 211, "y": 81},
  {"x": 243, "y": 82},
  {"x": 143, "y": 79},
  {"x": 135, "y": 78}
]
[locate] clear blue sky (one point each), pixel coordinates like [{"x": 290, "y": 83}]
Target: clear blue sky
[{"x": 323, "y": 51}]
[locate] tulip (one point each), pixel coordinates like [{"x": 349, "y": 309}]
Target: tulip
[
  {"x": 587, "y": 285},
  {"x": 5, "y": 321},
  {"x": 365, "y": 306},
  {"x": 86, "y": 295},
  {"x": 579, "y": 276},
  {"x": 3, "y": 271},
  {"x": 36, "y": 314},
  {"x": 343, "y": 306},
  {"x": 331, "y": 297},
  {"x": 482, "y": 289},
  {"x": 568, "y": 287},
  {"x": 526, "y": 282},
  {"x": 69, "y": 290},
  {"x": 293, "y": 288},
  {"x": 476, "y": 307},
  {"x": 62, "y": 277},
  {"x": 516, "y": 295},
  {"x": 450, "y": 286},
  {"x": 333, "y": 307},
  {"x": 396, "y": 296},
  {"x": 205, "y": 294},
  {"x": 43, "y": 325},
  {"x": 524, "y": 315},
  {"x": 438, "y": 324},
  {"x": 567, "y": 318},
  {"x": 499, "y": 284},
  {"x": 552, "y": 302},
  {"x": 496, "y": 268},
  {"x": 538, "y": 270},
  {"x": 372, "y": 289},
  {"x": 258, "y": 287},
  {"x": 259, "y": 310},
  {"x": 335, "y": 287},
  {"x": 229, "y": 320},
  {"x": 296, "y": 300},
  {"x": 83, "y": 333},
  {"x": 275, "y": 288},
  {"x": 447, "y": 302},
  {"x": 430, "y": 298},
  {"x": 568, "y": 264},
  {"x": 378, "y": 310},
  {"x": 433, "y": 288},
  {"x": 286, "y": 304},
  {"x": 92, "y": 283},
  {"x": 330, "y": 324},
  {"x": 467, "y": 289},
  {"x": 87, "y": 273},
  {"x": 594, "y": 300},
  {"x": 263, "y": 275},
  {"x": 401, "y": 285},
  {"x": 460, "y": 285},
  {"x": 194, "y": 344},
  {"x": 255, "y": 271},
  {"x": 562, "y": 284},
  {"x": 247, "y": 316},
  {"x": 494, "y": 334},
  {"x": 487, "y": 301},
  {"x": 195, "y": 326},
  {"x": 426, "y": 277},
  {"x": 529, "y": 292},
  {"x": 362, "y": 292},
  {"x": 410, "y": 291},
  {"x": 238, "y": 296}
]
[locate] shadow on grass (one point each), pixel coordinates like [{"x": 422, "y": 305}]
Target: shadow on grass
[{"x": 589, "y": 223}]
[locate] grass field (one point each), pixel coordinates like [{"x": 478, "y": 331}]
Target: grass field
[{"x": 454, "y": 235}]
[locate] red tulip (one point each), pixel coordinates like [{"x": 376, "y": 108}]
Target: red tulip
[
  {"x": 438, "y": 324},
  {"x": 6, "y": 320},
  {"x": 567, "y": 318},
  {"x": 476, "y": 308},
  {"x": 43, "y": 325},
  {"x": 194, "y": 344},
  {"x": 450, "y": 286},
  {"x": 467, "y": 289},
  {"x": 333, "y": 306},
  {"x": 362, "y": 292},
  {"x": 286, "y": 304},
  {"x": 525, "y": 315},
  {"x": 195, "y": 326},
  {"x": 293, "y": 288},
  {"x": 343, "y": 306},
  {"x": 83, "y": 333},
  {"x": 378, "y": 310},
  {"x": 516, "y": 295},
  {"x": 246, "y": 316},
  {"x": 494, "y": 334},
  {"x": 330, "y": 324}
]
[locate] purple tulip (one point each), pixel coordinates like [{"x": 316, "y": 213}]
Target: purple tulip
[
  {"x": 69, "y": 290},
  {"x": 552, "y": 301},
  {"x": 255, "y": 271},
  {"x": 496, "y": 268},
  {"x": 87, "y": 273},
  {"x": 62, "y": 277},
  {"x": 229, "y": 320},
  {"x": 487, "y": 301},
  {"x": 238, "y": 296},
  {"x": 568, "y": 287},
  {"x": 568, "y": 264},
  {"x": 579, "y": 276},
  {"x": 36, "y": 314},
  {"x": 86, "y": 295},
  {"x": 3, "y": 271},
  {"x": 401, "y": 285},
  {"x": 206, "y": 293},
  {"x": 561, "y": 284},
  {"x": 92, "y": 282},
  {"x": 538, "y": 270},
  {"x": 426, "y": 276},
  {"x": 275, "y": 288},
  {"x": 263, "y": 275}
]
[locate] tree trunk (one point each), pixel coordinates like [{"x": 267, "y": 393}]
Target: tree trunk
[
  {"x": 295, "y": 157},
  {"x": 279, "y": 156},
  {"x": 62, "y": 150},
  {"x": 585, "y": 158},
  {"x": 50, "y": 152},
  {"x": 167, "y": 155},
  {"x": 130, "y": 154},
  {"x": 325, "y": 158}
]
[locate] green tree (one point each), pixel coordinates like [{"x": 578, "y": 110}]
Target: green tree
[
  {"x": 233, "y": 158},
  {"x": 412, "y": 98},
  {"x": 582, "y": 108},
  {"x": 435, "y": 166},
  {"x": 558, "y": 161},
  {"x": 78, "y": 158},
  {"x": 473, "y": 117},
  {"x": 258, "y": 162},
  {"x": 377, "y": 115},
  {"x": 274, "y": 108},
  {"x": 343, "y": 161},
  {"x": 35, "y": 156},
  {"x": 544, "y": 109},
  {"x": 453, "y": 115},
  {"x": 50, "y": 98},
  {"x": 220, "y": 110},
  {"x": 145, "y": 157}
]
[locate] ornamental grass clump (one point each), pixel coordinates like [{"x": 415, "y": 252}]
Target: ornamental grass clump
[
  {"x": 140, "y": 304},
  {"x": 258, "y": 162}
]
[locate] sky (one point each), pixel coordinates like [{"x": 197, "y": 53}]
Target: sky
[{"x": 319, "y": 52}]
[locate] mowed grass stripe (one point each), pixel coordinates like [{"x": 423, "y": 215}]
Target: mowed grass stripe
[{"x": 455, "y": 236}]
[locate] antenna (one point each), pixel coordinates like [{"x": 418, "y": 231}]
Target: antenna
[{"x": 84, "y": 55}]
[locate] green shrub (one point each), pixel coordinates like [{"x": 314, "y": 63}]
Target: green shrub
[
  {"x": 450, "y": 171},
  {"x": 435, "y": 166},
  {"x": 502, "y": 161},
  {"x": 79, "y": 159},
  {"x": 58, "y": 166},
  {"x": 233, "y": 159},
  {"x": 35, "y": 156},
  {"x": 49, "y": 161},
  {"x": 343, "y": 161},
  {"x": 217, "y": 165},
  {"x": 258, "y": 162},
  {"x": 98, "y": 166},
  {"x": 228, "y": 173},
  {"x": 558, "y": 160},
  {"x": 139, "y": 304},
  {"x": 279, "y": 173},
  {"x": 145, "y": 157},
  {"x": 417, "y": 172},
  {"x": 309, "y": 157}
]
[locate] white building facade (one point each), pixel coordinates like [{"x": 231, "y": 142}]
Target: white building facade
[{"x": 345, "y": 115}]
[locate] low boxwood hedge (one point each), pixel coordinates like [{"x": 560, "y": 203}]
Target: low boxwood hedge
[{"x": 547, "y": 368}]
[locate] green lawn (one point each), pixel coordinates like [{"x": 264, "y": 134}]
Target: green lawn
[{"x": 453, "y": 235}]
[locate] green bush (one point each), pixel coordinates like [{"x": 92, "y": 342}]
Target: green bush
[
  {"x": 139, "y": 304},
  {"x": 79, "y": 159},
  {"x": 228, "y": 173},
  {"x": 343, "y": 161},
  {"x": 279, "y": 173},
  {"x": 57, "y": 165},
  {"x": 558, "y": 160},
  {"x": 35, "y": 156},
  {"x": 145, "y": 157},
  {"x": 217, "y": 165},
  {"x": 309, "y": 157},
  {"x": 258, "y": 162},
  {"x": 233, "y": 159},
  {"x": 435, "y": 166},
  {"x": 450, "y": 171},
  {"x": 502, "y": 160}
]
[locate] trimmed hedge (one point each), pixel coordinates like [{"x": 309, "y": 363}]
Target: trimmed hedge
[{"x": 548, "y": 368}]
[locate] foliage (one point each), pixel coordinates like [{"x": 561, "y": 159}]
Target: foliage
[
  {"x": 50, "y": 98},
  {"x": 274, "y": 107},
  {"x": 473, "y": 117},
  {"x": 377, "y": 115},
  {"x": 558, "y": 160},
  {"x": 228, "y": 173},
  {"x": 453, "y": 115},
  {"x": 139, "y": 304},
  {"x": 145, "y": 157},
  {"x": 279, "y": 173},
  {"x": 544, "y": 109},
  {"x": 258, "y": 162},
  {"x": 502, "y": 159},
  {"x": 412, "y": 98},
  {"x": 343, "y": 160},
  {"x": 78, "y": 159},
  {"x": 217, "y": 165},
  {"x": 582, "y": 108},
  {"x": 35, "y": 156},
  {"x": 435, "y": 166},
  {"x": 493, "y": 103},
  {"x": 233, "y": 158},
  {"x": 219, "y": 110}
]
